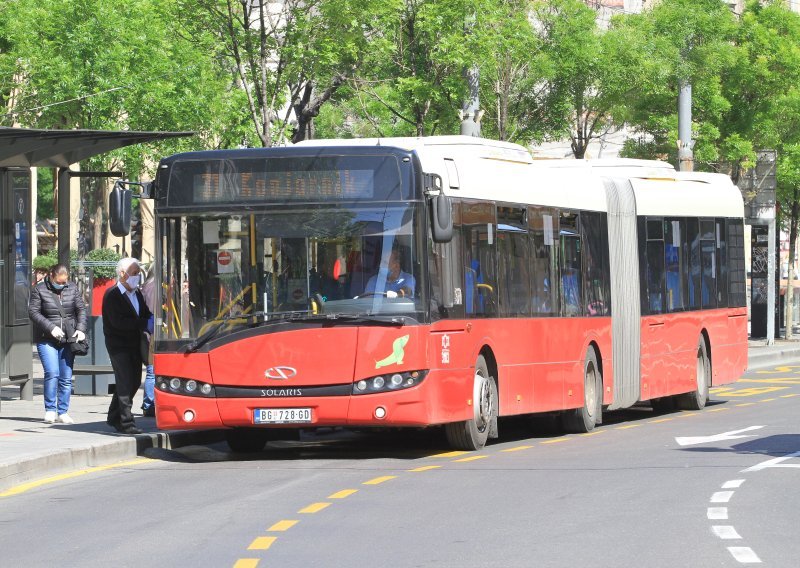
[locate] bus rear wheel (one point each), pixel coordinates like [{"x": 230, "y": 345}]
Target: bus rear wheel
[
  {"x": 246, "y": 440},
  {"x": 580, "y": 420},
  {"x": 697, "y": 399},
  {"x": 472, "y": 434}
]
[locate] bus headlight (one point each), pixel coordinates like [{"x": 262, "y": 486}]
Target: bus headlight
[
  {"x": 188, "y": 387},
  {"x": 394, "y": 382}
]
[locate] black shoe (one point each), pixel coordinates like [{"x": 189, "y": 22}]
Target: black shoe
[
  {"x": 131, "y": 430},
  {"x": 149, "y": 412},
  {"x": 115, "y": 425}
]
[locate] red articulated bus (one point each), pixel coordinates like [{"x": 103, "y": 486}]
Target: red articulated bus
[{"x": 438, "y": 281}]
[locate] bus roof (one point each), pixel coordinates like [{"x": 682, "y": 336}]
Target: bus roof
[{"x": 478, "y": 168}]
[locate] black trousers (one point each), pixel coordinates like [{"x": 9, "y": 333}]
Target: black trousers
[{"x": 127, "y": 365}]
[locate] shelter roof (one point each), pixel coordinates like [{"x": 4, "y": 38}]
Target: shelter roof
[{"x": 27, "y": 147}]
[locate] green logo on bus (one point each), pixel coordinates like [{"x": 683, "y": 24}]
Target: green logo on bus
[{"x": 398, "y": 352}]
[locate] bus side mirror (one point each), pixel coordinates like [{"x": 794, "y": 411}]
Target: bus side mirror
[
  {"x": 441, "y": 210},
  {"x": 119, "y": 210}
]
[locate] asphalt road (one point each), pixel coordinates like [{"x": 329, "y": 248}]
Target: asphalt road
[{"x": 708, "y": 488}]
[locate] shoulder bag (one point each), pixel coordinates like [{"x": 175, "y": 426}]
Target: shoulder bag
[{"x": 77, "y": 347}]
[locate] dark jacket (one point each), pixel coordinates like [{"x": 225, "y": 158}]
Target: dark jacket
[
  {"x": 45, "y": 315},
  {"x": 121, "y": 326}
]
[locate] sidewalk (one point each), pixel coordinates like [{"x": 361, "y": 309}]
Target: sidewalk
[{"x": 30, "y": 449}]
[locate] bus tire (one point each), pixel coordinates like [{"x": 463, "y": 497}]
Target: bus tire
[
  {"x": 472, "y": 434},
  {"x": 584, "y": 419},
  {"x": 697, "y": 399},
  {"x": 246, "y": 440}
]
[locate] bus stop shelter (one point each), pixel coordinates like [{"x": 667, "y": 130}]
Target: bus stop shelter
[{"x": 20, "y": 150}]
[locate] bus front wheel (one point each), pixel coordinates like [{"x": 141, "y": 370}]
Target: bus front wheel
[
  {"x": 583, "y": 419},
  {"x": 472, "y": 434},
  {"x": 246, "y": 440},
  {"x": 697, "y": 399}
]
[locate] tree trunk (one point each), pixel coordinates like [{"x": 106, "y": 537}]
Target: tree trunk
[{"x": 790, "y": 272}]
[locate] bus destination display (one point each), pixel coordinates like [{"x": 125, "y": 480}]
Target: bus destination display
[{"x": 308, "y": 185}]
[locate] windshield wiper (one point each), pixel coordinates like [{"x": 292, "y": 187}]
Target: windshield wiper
[
  {"x": 219, "y": 324},
  {"x": 350, "y": 318},
  {"x": 291, "y": 316}
]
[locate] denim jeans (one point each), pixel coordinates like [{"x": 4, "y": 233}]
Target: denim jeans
[
  {"x": 57, "y": 362},
  {"x": 149, "y": 387}
]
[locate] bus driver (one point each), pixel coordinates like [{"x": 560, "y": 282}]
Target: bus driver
[{"x": 398, "y": 282}]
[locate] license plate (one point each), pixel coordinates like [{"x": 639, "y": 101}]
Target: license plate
[{"x": 281, "y": 415}]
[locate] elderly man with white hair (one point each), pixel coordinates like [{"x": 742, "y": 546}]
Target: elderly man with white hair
[{"x": 125, "y": 316}]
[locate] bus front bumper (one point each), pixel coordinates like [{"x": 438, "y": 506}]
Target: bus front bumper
[{"x": 426, "y": 404}]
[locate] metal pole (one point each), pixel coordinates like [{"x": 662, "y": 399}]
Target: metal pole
[
  {"x": 685, "y": 143},
  {"x": 470, "y": 114},
  {"x": 64, "y": 178},
  {"x": 771, "y": 282}
]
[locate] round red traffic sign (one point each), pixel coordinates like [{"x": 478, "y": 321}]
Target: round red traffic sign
[{"x": 224, "y": 258}]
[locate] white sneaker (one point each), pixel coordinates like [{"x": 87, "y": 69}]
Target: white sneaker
[
  {"x": 49, "y": 417},
  {"x": 65, "y": 419}
]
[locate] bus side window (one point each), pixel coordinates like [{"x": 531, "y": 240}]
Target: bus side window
[
  {"x": 655, "y": 265},
  {"x": 675, "y": 265},
  {"x": 571, "y": 275},
  {"x": 544, "y": 260},
  {"x": 478, "y": 237},
  {"x": 595, "y": 259},
  {"x": 693, "y": 271},
  {"x": 513, "y": 261}
]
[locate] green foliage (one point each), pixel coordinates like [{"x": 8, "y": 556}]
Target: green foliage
[
  {"x": 109, "y": 256},
  {"x": 46, "y": 261}
]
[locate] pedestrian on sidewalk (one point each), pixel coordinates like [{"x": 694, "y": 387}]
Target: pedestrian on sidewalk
[
  {"x": 149, "y": 293},
  {"x": 125, "y": 316},
  {"x": 58, "y": 314}
]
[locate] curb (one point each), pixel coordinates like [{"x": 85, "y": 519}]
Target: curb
[
  {"x": 788, "y": 356},
  {"x": 72, "y": 458}
]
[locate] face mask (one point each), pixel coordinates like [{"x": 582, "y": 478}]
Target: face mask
[
  {"x": 57, "y": 286},
  {"x": 133, "y": 281}
]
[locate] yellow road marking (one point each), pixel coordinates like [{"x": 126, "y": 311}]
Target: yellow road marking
[
  {"x": 47, "y": 480},
  {"x": 627, "y": 426},
  {"x": 314, "y": 508},
  {"x": 779, "y": 380},
  {"x": 517, "y": 449},
  {"x": 342, "y": 494},
  {"x": 471, "y": 458},
  {"x": 767, "y": 400},
  {"x": 449, "y": 454},
  {"x": 555, "y": 440},
  {"x": 425, "y": 468},
  {"x": 718, "y": 409},
  {"x": 688, "y": 414},
  {"x": 593, "y": 433},
  {"x": 246, "y": 563},
  {"x": 282, "y": 526},
  {"x": 781, "y": 369},
  {"x": 789, "y": 395},
  {"x": 378, "y": 480},
  {"x": 659, "y": 420},
  {"x": 746, "y": 404},
  {"x": 262, "y": 543},
  {"x": 754, "y": 391}
]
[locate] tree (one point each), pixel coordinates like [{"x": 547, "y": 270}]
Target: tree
[
  {"x": 682, "y": 40},
  {"x": 98, "y": 64},
  {"x": 766, "y": 102},
  {"x": 514, "y": 76},
  {"x": 287, "y": 59}
]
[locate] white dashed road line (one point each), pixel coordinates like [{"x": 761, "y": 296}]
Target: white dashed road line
[{"x": 744, "y": 554}]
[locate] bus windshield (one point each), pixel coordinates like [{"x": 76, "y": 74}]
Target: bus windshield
[{"x": 238, "y": 271}]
